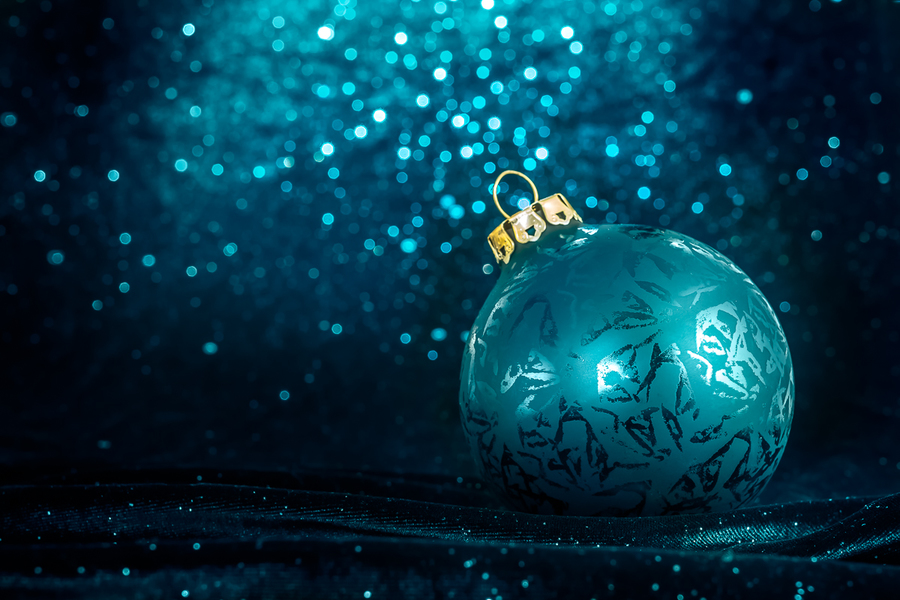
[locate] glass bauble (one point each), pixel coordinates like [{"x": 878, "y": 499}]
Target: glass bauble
[{"x": 625, "y": 370}]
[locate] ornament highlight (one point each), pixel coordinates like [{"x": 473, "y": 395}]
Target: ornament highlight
[{"x": 622, "y": 370}]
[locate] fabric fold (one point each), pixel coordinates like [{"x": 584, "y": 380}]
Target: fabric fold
[{"x": 860, "y": 529}]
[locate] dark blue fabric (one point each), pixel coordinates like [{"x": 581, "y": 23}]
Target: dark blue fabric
[
  {"x": 107, "y": 534},
  {"x": 859, "y": 529}
]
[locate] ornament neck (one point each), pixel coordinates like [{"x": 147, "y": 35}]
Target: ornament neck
[{"x": 527, "y": 225}]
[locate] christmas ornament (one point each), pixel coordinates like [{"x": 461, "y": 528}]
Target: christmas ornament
[{"x": 622, "y": 370}]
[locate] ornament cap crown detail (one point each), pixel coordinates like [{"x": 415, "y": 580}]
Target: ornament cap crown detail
[{"x": 527, "y": 225}]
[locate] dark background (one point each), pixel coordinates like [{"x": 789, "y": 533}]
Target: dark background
[{"x": 91, "y": 88}]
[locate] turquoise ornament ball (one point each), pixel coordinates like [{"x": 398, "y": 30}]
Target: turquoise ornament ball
[{"x": 626, "y": 371}]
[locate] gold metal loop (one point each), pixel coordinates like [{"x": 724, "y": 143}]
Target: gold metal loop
[{"x": 523, "y": 176}]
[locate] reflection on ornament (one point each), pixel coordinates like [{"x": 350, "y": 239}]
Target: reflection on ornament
[{"x": 622, "y": 370}]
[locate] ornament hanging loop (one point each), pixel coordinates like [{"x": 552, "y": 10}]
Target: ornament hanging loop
[
  {"x": 523, "y": 176},
  {"x": 527, "y": 225}
]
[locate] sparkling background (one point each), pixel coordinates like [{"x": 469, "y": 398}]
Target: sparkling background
[{"x": 252, "y": 234}]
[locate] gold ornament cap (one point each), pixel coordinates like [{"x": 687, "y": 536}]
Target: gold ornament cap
[{"x": 527, "y": 225}]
